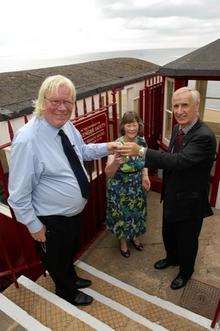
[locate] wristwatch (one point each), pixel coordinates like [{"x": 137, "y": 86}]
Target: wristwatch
[{"x": 141, "y": 151}]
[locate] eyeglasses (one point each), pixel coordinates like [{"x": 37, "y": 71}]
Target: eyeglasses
[{"x": 57, "y": 103}]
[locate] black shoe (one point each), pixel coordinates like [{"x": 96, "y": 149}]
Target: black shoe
[
  {"x": 179, "y": 282},
  {"x": 138, "y": 247},
  {"x": 125, "y": 253},
  {"x": 163, "y": 264},
  {"x": 79, "y": 299},
  {"x": 82, "y": 283}
]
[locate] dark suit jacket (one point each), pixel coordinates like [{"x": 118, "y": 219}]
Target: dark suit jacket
[{"x": 186, "y": 174}]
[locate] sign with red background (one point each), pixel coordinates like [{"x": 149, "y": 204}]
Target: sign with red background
[{"x": 93, "y": 127}]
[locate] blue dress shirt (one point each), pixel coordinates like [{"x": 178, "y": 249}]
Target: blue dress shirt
[{"x": 41, "y": 181}]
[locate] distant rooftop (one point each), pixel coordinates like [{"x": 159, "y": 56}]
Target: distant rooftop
[
  {"x": 203, "y": 62},
  {"x": 18, "y": 89}
]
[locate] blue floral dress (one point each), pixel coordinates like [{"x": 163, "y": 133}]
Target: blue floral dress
[{"x": 126, "y": 198}]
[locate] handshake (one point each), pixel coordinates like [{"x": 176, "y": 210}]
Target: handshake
[{"x": 126, "y": 149}]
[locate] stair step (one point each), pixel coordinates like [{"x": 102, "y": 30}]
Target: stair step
[
  {"x": 45, "y": 307},
  {"x": 18, "y": 317},
  {"x": 108, "y": 313},
  {"x": 153, "y": 308},
  {"x": 116, "y": 306}
]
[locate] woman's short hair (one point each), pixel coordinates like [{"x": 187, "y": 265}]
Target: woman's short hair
[
  {"x": 50, "y": 84},
  {"x": 130, "y": 117}
]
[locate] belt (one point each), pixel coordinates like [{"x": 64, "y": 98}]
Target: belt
[
  {"x": 57, "y": 218},
  {"x": 129, "y": 172}
]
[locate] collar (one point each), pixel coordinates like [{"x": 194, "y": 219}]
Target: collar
[
  {"x": 52, "y": 131},
  {"x": 188, "y": 127}
]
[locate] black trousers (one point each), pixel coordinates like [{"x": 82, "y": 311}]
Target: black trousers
[
  {"x": 181, "y": 243},
  {"x": 62, "y": 241}
]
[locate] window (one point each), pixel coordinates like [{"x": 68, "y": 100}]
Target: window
[
  {"x": 213, "y": 95},
  {"x": 168, "y": 125},
  {"x": 209, "y": 103},
  {"x": 212, "y": 106},
  {"x": 168, "y": 117},
  {"x": 169, "y": 94},
  {"x": 136, "y": 105}
]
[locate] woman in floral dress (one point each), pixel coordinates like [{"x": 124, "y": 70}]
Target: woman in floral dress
[{"x": 127, "y": 183}]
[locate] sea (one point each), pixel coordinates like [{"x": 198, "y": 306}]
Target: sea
[{"x": 159, "y": 56}]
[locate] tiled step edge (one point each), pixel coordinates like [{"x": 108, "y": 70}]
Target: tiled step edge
[
  {"x": 64, "y": 305},
  {"x": 20, "y": 316},
  {"x": 169, "y": 306},
  {"x": 124, "y": 310}
]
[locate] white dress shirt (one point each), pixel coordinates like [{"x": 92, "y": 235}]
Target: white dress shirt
[{"x": 41, "y": 181}]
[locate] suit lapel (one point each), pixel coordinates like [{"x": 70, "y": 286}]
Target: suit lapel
[
  {"x": 191, "y": 131},
  {"x": 186, "y": 139},
  {"x": 173, "y": 137}
]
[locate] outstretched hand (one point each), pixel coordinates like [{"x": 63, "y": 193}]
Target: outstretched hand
[
  {"x": 113, "y": 147},
  {"x": 128, "y": 149},
  {"x": 118, "y": 159}
]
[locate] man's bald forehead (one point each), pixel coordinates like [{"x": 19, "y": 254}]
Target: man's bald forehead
[
  {"x": 181, "y": 91},
  {"x": 193, "y": 94}
]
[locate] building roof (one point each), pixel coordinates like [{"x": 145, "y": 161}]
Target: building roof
[
  {"x": 203, "y": 62},
  {"x": 18, "y": 89}
]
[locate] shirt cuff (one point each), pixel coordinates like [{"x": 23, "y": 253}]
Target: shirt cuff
[
  {"x": 35, "y": 226},
  {"x": 103, "y": 149}
]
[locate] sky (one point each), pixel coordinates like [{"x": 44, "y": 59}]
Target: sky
[{"x": 51, "y": 28}]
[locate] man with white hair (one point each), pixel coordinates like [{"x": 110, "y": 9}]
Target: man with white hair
[
  {"x": 48, "y": 184},
  {"x": 186, "y": 177}
]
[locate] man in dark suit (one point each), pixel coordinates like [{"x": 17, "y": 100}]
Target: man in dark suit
[{"x": 186, "y": 176}]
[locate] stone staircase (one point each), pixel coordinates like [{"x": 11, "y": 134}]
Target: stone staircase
[{"x": 116, "y": 306}]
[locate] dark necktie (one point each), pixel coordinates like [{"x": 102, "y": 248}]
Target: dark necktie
[
  {"x": 75, "y": 164},
  {"x": 178, "y": 141}
]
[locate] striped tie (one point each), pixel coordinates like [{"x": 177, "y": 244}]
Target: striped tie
[{"x": 178, "y": 141}]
